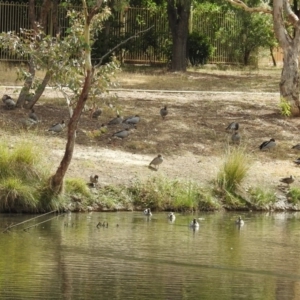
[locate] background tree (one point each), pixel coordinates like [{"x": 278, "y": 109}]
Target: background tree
[{"x": 283, "y": 18}]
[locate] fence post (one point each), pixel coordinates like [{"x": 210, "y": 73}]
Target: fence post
[{"x": 191, "y": 20}]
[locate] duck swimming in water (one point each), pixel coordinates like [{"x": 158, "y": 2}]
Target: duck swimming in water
[
  {"x": 194, "y": 224},
  {"x": 148, "y": 212},
  {"x": 239, "y": 221},
  {"x": 171, "y": 216}
]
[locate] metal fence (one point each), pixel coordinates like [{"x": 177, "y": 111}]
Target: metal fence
[{"x": 151, "y": 47}]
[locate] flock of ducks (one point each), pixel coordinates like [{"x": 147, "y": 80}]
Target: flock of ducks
[
  {"x": 193, "y": 224},
  {"x": 266, "y": 145},
  {"x": 131, "y": 122}
]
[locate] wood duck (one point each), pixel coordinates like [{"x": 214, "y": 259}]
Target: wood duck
[
  {"x": 164, "y": 112},
  {"x": 58, "y": 127},
  {"x": 157, "y": 161},
  {"x": 267, "y": 145},
  {"x": 148, "y": 212}
]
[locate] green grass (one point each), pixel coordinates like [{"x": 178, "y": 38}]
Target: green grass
[
  {"x": 160, "y": 193},
  {"x": 24, "y": 172},
  {"x": 262, "y": 197},
  {"x": 234, "y": 169},
  {"x": 294, "y": 195},
  {"x": 77, "y": 186}
]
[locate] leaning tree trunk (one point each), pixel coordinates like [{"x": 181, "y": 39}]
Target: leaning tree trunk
[
  {"x": 56, "y": 181},
  {"x": 178, "y": 16}
]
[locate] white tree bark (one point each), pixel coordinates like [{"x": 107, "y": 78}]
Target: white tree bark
[{"x": 290, "y": 80}]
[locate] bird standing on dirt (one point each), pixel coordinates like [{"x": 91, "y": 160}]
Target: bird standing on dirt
[
  {"x": 157, "y": 161},
  {"x": 8, "y": 102},
  {"x": 58, "y": 127},
  {"x": 235, "y": 138},
  {"x": 288, "y": 180},
  {"x": 267, "y": 145},
  {"x": 297, "y": 161},
  {"x": 122, "y": 134},
  {"x": 28, "y": 123},
  {"x": 297, "y": 147},
  {"x": 132, "y": 120},
  {"x": 233, "y": 126},
  {"x": 97, "y": 113},
  {"x": 94, "y": 179},
  {"x": 33, "y": 116},
  {"x": 116, "y": 121},
  {"x": 164, "y": 112}
]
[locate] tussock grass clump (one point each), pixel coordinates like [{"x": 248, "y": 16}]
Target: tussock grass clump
[
  {"x": 163, "y": 194},
  {"x": 234, "y": 169},
  {"x": 23, "y": 173}
]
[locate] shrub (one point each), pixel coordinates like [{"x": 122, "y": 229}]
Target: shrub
[{"x": 199, "y": 49}]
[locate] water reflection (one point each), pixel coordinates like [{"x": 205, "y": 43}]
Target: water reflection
[{"x": 134, "y": 256}]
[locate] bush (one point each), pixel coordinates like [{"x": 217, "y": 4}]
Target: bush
[
  {"x": 163, "y": 194},
  {"x": 199, "y": 49},
  {"x": 233, "y": 170}
]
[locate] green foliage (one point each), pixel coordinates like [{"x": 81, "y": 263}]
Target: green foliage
[
  {"x": 77, "y": 186},
  {"x": 234, "y": 169},
  {"x": 199, "y": 49},
  {"x": 23, "y": 173},
  {"x": 285, "y": 107},
  {"x": 261, "y": 197},
  {"x": 294, "y": 195},
  {"x": 114, "y": 197},
  {"x": 164, "y": 194}
]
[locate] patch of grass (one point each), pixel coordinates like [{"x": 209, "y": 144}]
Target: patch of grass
[
  {"x": 77, "y": 186},
  {"x": 17, "y": 196},
  {"x": 261, "y": 197},
  {"x": 160, "y": 193},
  {"x": 294, "y": 195},
  {"x": 114, "y": 198},
  {"x": 234, "y": 169},
  {"x": 285, "y": 107},
  {"x": 23, "y": 175}
]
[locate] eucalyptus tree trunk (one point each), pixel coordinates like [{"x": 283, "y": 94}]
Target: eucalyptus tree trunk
[
  {"x": 57, "y": 180},
  {"x": 178, "y": 15},
  {"x": 289, "y": 82}
]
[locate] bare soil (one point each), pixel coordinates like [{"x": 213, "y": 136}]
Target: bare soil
[{"x": 192, "y": 138}]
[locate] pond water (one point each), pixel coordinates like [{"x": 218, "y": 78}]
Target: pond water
[{"x": 137, "y": 257}]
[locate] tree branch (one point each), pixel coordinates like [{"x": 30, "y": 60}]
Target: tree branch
[
  {"x": 243, "y": 5},
  {"x": 120, "y": 44}
]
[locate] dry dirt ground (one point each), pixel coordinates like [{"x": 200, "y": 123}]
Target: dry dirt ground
[{"x": 192, "y": 138}]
